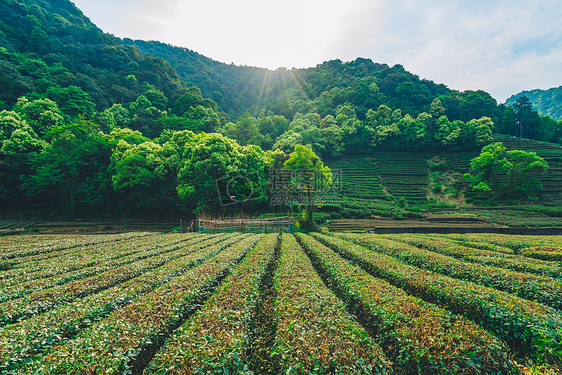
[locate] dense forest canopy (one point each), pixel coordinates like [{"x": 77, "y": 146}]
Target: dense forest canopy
[{"x": 97, "y": 124}]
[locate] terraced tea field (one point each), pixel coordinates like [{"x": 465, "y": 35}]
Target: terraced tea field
[
  {"x": 405, "y": 175},
  {"x": 145, "y": 303},
  {"x": 362, "y": 193},
  {"x": 384, "y": 182}
]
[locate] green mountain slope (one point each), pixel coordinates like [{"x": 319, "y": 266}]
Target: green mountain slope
[
  {"x": 46, "y": 44},
  {"x": 545, "y": 102},
  {"x": 237, "y": 89},
  {"x": 50, "y": 44}
]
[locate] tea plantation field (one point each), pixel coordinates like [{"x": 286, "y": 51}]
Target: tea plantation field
[{"x": 146, "y": 303}]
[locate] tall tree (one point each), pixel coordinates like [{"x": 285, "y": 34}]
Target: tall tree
[
  {"x": 19, "y": 144},
  {"x": 72, "y": 101},
  {"x": 477, "y": 104},
  {"x": 245, "y": 131},
  {"x": 523, "y": 109},
  {"x": 42, "y": 115},
  {"x": 216, "y": 172},
  {"x": 486, "y": 166},
  {"x": 146, "y": 176},
  {"x": 524, "y": 174},
  {"x": 308, "y": 174},
  {"x": 522, "y": 168}
]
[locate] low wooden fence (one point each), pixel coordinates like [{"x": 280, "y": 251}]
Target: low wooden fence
[{"x": 245, "y": 225}]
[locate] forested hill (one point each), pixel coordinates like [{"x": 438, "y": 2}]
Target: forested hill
[
  {"x": 351, "y": 90},
  {"x": 546, "y": 102},
  {"x": 50, "y": 45},
  {"x": 321, "y": 89},
  {"x": 62, "y": 47},
  {"x": 238, "y": 89}
]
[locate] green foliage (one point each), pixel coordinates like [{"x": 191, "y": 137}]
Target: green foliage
[
  {"x": 9, "y": 121},
  {"x": 54, "y": 45},
  {"x": 116, "y": 116},
  {"x": 146, "y": 176},
  {"x": 22, "y": 142},
  {"x": 192, "y": 98},
  {"x": 225, "y": 321},
  {"x": 544, "y": 253},
  {"x": 308, "y": 175},
  {"x": 13, "y": 83},
  {"x": 530, "y": 328},
  {"x": 524, "y": 173},
  {"x": 486, "y": 166},
  {"x": 395, "y": 316},
  {"x": 314, "y": 332},
  {"x": 114, "y": 342},
  {"x": 43, "y": 115},
  {"x": 72, "y": 101},
  {"x": 518, "y": 118},
  {"x": 58, "y": 69},
  {"x": 71, "y": 169},
  {"x": 209, "y": 159},
  {"x": 303, "y": 130},
  {"x": 359, "y": 86},
  {"x": 245, "y": 131},
  {"x": 547, "y": 211},
  {"x": 271, "y": 127},
  {"x": 129, "y": 136},
  {"x": 19, "y": 144},
  {"x": 472, "y": 265},
  {"x": 522, "y": 168}
]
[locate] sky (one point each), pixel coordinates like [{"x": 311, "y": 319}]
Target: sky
[{"x": 500, "y": 46}]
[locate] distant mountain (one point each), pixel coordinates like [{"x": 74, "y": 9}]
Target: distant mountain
[
  {"x": 545, "y": 102},
  {"x": 238, "y": 89}
]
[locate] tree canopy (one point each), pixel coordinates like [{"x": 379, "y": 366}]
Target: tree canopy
[
  {"x": 521, "y": 167},
  {"x": 308, "y": 174}
]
